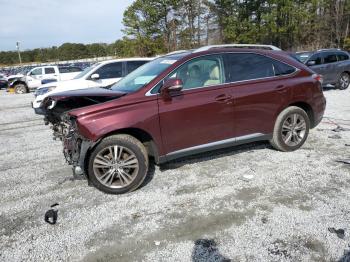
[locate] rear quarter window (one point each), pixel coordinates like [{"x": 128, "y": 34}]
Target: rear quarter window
[
  {"x": 343, "y": 56},
  {"x": 283, "y": 69}
]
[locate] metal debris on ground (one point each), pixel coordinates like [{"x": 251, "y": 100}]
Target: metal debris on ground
[
  {"x": 247, "y": 177},
  {"x": 344, "y": 161},
  {"x": 346, "y": 257},
  {"x": 51, "y": 215},
  {"x": 340, "y": 232},
  {"x": 335, "y": 137},
  {"x": 206, "y": 250},
  {"x": 340, "y": 129}
]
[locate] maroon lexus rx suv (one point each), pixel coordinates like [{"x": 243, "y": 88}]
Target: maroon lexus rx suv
[{"x": 182, "y": 104}]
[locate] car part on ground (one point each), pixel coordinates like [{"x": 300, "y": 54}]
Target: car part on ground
[{"x": 183, "y": 104}]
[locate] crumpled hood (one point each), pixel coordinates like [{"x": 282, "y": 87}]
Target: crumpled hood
[
  {"x": 88, "y": 92},
  {"x": 60, "y": 102}
]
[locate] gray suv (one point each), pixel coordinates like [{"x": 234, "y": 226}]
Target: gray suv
[{"x": 332, "y": 64}]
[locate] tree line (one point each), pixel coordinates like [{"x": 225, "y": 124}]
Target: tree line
[{"x": 158, "y": 26}]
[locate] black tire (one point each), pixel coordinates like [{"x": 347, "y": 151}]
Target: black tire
[
  {"x": 133, "y": 146},
  {"x": 20, "y": 89},
  {"x": 280, "y": 134},
  {"x": 343, "y": 81}
]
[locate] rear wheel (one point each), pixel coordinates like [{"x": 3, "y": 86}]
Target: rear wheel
[
  {"x": 118, "y": 165},
  {"x": 343, "y": 81},
  {"x": 291, "y": 129},
  {"x": 20, "y": 89}
]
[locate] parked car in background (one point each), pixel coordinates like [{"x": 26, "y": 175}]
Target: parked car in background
[
  {"x": 332, "y": 64},
  {"x": 33, "y": 78},
  {"x": 98, "y": 75},
  {"x": 182, "y": 104},
  {"x": 3, "y": 82}
]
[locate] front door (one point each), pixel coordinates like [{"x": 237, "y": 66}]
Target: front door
[
  {"x": 34, "y": 77},
  {"x": 201, "y": 115}
]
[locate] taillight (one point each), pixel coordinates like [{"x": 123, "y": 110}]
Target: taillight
[{"x": 318, "y": 78}]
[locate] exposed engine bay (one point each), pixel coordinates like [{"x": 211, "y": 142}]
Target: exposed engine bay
[{"x": 56, "y": 110}]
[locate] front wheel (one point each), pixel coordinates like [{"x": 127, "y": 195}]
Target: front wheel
[
  {"x": 118, "y": 165},
  {"x": 291, "y": 129},
  {"x": 344, "y": 81},
  {"x": 20, "y": 89}
]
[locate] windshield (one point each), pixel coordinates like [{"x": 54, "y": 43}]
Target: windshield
[
  {"x": 86, "y": 71},
  {"x": 303, "y": 56},
  {"x": 145, "y": 74}
]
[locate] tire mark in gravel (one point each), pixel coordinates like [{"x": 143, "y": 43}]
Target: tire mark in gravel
[
  {"x": 14, "y": 128},
  {"x": 15, "y": 107},
  {"x": 20, "y": 122}
]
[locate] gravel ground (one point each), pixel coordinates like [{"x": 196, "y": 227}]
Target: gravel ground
[{"x": 249, "y": 203}]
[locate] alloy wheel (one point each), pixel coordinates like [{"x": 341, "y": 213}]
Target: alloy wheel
[
  {"x": 116, "y": 166},
  {"x": 293, "y": 129},
  {"x": 344, "y": 81},
  {"x": 20, "y": 89}
]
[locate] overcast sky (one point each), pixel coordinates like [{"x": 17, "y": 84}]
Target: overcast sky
[{"x": 44, "y": 23}]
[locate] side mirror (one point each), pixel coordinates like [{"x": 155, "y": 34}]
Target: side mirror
[
  {"x": 95, "y": 76},
  {"x": 171, "y": 86},
  {"x": 311, "y": 63}
]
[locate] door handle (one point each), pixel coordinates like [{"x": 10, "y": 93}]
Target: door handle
[
  {"x": 281, "y": 88},
  {"x": 223, "y": 98}
]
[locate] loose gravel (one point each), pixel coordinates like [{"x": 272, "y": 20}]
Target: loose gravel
[{"x": 248, "y": 203}]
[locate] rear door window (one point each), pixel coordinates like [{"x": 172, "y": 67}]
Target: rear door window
[
  {"x": 240, "y": 67},
  {"x": 132, "y": 65},
  {"x": 113, "y": 70},
  {"x": 330, "y": 58},
  {"x": 49, "y": 70}
]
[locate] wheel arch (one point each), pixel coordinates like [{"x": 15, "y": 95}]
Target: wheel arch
[
  {"x": 308, "y": 109},
  {"x": 144, "y": 137},
  {"x": 20, "y": 82}
]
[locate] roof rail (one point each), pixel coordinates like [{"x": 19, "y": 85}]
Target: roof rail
[
  {"x": 254, "y": 46},
  {"x": 329, "y": 49},
  {"x": 177, "y": 52}
]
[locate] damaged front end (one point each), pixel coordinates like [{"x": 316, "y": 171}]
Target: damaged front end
[
  {"x": 56, "y": 110},
  {"x": 75, "y": 146}
]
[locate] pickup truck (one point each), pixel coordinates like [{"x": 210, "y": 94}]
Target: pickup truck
[{"x": 33, "y": 79}]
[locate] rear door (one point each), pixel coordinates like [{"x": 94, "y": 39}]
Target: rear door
[
  {"x": 200, "y": 114},
  {"x": 259, "y": 88},
  {"x": 50, "y": 73},
  {"x": 108, "y": 75},
  {"x": 331, "y": 63}
]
